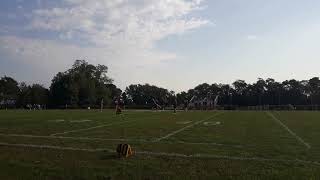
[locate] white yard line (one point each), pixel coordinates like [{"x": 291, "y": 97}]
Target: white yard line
[
  {"x": 212, "y": 156},
  {"x": 53, "y": 147},
  {"x": 186, "y": 127},
  {"x": 90, "y": 128},
  {"x": 214, "y": 144},
  {"x": 307, "y": 145},
  {"x": 116, "y": 139},
  {"x": 207, "y": 156},
  {"x": 72, "y": 138}
]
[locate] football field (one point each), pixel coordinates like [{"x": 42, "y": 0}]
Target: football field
[{"x": 80, "y": 144}]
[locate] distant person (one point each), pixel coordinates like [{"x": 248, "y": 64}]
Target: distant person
[
  {"x": 175, "y": 105},
  {"x": 186, "y": 105},
  {"x": 118, "y": 103},
  {"x": 29, "y": 106}
]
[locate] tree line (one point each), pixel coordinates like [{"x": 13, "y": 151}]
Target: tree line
[
  {"x": 86, "y": 85},
  {"x": 260, "y": 93}
]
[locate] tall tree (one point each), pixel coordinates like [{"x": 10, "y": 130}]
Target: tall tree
[
  {"x": 82, "y": 85},
  {"x": 314, "y": 90},
  {"x": 9, "y": 91},
  {"x": 240, "y": 90},
  {"x": 143, "y": 95},
  {"x": 34, "y": 94}
]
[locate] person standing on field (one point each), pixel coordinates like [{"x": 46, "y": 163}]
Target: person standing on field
[
  {"x": 175, "y": 104},
  {"x": 118, "y": 103},
  {"x": 186, "y": 105}
]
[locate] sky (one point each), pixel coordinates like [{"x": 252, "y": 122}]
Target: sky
[{"x": 175, "y": 44}]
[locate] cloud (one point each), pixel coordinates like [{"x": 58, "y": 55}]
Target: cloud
[
  {"x": 252, "y": 37},
  {"x": 119, "y": 22},
  {"x": 119, "y": 33},
  {"x": 44, "y": 58}
]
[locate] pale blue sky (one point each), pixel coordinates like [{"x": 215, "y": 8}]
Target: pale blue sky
[{"x": 175, "y": 44}]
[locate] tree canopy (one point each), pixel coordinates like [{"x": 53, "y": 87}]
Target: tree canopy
[
  {"x": 81, "y": 86},
  {"x": 145, "y": 95},
  {"x": 261, "y": 92},
  {"x": 86, "y": 85}
]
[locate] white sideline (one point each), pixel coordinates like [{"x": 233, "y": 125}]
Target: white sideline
[
  {"x": 186, "y": 127},
  {"x": 90, "y": 128},
  {"x": 211, "y": 156},
  {"x": 119, "y": 139},
  {"x": 291, "y": 132}
]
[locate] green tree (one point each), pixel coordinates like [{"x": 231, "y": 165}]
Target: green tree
[
  {"x": 9, "y": 91},
  {"x": 143, "y": 95},
  {"x": 81, "y": 86}
]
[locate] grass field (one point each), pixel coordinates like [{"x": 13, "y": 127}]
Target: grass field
[{"x": 187, "y": 145}]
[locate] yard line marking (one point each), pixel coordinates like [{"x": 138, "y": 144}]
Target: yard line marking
[
  {"x": 52, "y": 147},
  {"x": 291, "y": 132},
  {"x": 72, "y": 138},
  {"x": 119, "y": 139},
  {"x": 208, "y": 156},
  {"x": 212, "y": 156},
  {"x": 90, "y": 128},
  {"x": 209, "y": 143},
  {"x": 277, "y": 112},
  {"x": 186, "y": 127}
]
